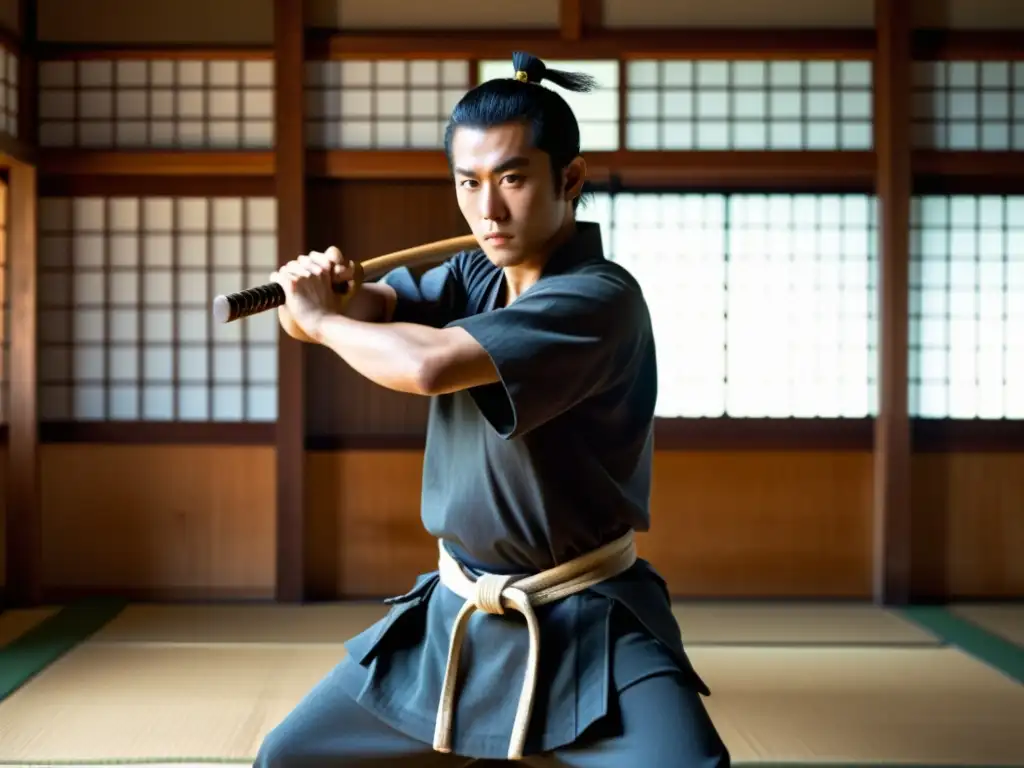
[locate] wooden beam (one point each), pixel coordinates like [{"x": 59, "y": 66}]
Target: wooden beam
[
  {"x": 24, "y": 519},
  {"x": 780, "y": 170},
  {"x": 74, "y": 51},
  {"x": 86, "y": 185},
  {"x": 968, "y": 173},
  {"x": 892, "y": 575},
  {"x": 290, "y": 166},
  {"x": 683, "y": 434},
  {"x": 970, "y": 44},
  {"x": 596, "y": 43},
  {"x": 158, "y": 432},
  {"x": 88, "y": 162}
]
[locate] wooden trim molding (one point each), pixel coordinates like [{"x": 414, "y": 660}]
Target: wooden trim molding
[
  {"x": 158, "y": 186},
  {"x": 158, "y": 432},
  {"x": 579, "y": 36},
  {"x": 83, "y": 51},
  {"x": 846, "y": 171},
  {"x": 721, "y": 434},
  {"x": 84, "y": 162},
  {"x": 93, "y": 171},
  {"x": 682, "y": 43},
  {"x": 683, "y": 434},
  {"x": 969, "y": 44}
]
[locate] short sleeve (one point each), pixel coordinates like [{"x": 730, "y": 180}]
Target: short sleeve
[
  {"x": 558, "y": 344},
  {"x": 434, "y": 298}
]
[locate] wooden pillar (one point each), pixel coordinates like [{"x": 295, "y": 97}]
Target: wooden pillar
[
  {"x": 892, "y": 577},
  {"x": 577, "y": 18},
  {"x": 290, "y": 186},
  {"x": 24, "y": 516}
]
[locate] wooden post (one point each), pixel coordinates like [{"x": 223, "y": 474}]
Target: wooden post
[
  {"x": 24, "y": 517},
  {"x": 290, "y": 185},
  {"x": 892, "y": 575}
]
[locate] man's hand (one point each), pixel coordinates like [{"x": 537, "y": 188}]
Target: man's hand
[{"x": 308, "y": 284}]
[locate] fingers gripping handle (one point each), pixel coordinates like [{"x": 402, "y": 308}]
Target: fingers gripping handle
[{"x": 252, "y": 301}]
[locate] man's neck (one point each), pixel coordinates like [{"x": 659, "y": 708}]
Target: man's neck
[{"x": 519, "y": 278}]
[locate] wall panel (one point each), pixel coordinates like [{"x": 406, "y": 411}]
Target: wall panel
[
  {"x": 738, "y": 13},
  {"x": 125, "y": 326},
  {"x": 749, "y": 105},
  {"x": 136, "y": 103},
  {"x": 10, "y": 15},
  {"x": 156, "y": 22},
  {"x": 159, "y": 521},
  {"x": 367, "y": 219},
  {"x": 969, "y": 14},
  {"x": 451, "y": 14},
  {"x": 969, "y": 106},
  {"x": 3, "y": 514},
  {"x": 967, "y": 307},
  {"x": 968, "y": 526},
  {"x": 386, "y": 104},
  {"x": 5, "y": 356},
  {"x": 724, "y": 524}
]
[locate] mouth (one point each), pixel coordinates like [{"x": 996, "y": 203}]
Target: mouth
[{"x": 497, "y": 238}]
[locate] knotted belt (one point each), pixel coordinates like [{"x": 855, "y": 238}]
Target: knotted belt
[{"x": 494, "y": 594}]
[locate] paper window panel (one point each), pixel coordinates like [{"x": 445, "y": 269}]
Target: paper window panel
[
  {"x": 749, "y": 105},
  {"x": 968, "y": 106},
  {"x": 967, "y": 307},
  {"x": 179, "y": 104},
  {"x": 352, "y": 104},
  {"x": 763, "y": 305},
  {"x": 126, "y": 332},
  {"x": 597, "y": 111}
]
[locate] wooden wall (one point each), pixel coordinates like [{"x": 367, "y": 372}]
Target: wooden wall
[{"x": 160, "y": 520}]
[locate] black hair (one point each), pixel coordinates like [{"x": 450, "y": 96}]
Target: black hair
[{"x": 521, "y": 98}]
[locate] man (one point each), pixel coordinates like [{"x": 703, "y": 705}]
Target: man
[{"x": 538, "y": 356}]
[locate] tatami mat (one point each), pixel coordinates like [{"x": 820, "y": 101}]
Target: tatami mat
[
  {"x": 795, "y": 624},
  {"x": 1005, "y": 620},
  {"x": 858, "y": 705},
  {"x": 319, "y": 623},
  {"x": 122, "y": 701},
  {"x": 15, "y": 623},
  {"x": 701, "y": 624}
]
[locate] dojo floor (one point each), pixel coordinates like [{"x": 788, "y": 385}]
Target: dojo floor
[{"x": 808, "y": 685}]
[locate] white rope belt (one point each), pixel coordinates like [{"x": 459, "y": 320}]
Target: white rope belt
[{"x": 493, "y": 594}]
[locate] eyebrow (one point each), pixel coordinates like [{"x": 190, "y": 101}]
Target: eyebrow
[{"x": 513, "y": 162}]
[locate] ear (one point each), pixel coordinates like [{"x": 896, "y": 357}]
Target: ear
[{"x": 573, "y": 177}]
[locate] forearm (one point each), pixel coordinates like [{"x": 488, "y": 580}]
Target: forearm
[
  {"x": 373, "y": 303},
  {"x": 398, "y": 356}
]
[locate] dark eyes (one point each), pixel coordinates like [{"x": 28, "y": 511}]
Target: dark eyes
[{"x": 511, "y": 178}]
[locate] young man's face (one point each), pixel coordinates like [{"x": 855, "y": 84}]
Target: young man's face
[{"x": 506, "y": 192}]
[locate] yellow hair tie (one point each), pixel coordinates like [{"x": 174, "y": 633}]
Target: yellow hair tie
[{"x": 522, "y": 76}]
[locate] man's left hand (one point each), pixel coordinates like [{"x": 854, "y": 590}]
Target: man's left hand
[{"x": 308, "y": 287}]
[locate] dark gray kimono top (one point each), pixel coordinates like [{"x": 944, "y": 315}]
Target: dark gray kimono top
[{"x": 549, "y": 463}]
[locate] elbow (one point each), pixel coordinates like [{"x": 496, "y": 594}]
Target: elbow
[{"x": 428, "y": 375}]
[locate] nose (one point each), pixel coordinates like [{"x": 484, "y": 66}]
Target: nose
[{"x": 492, "y": 207}]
